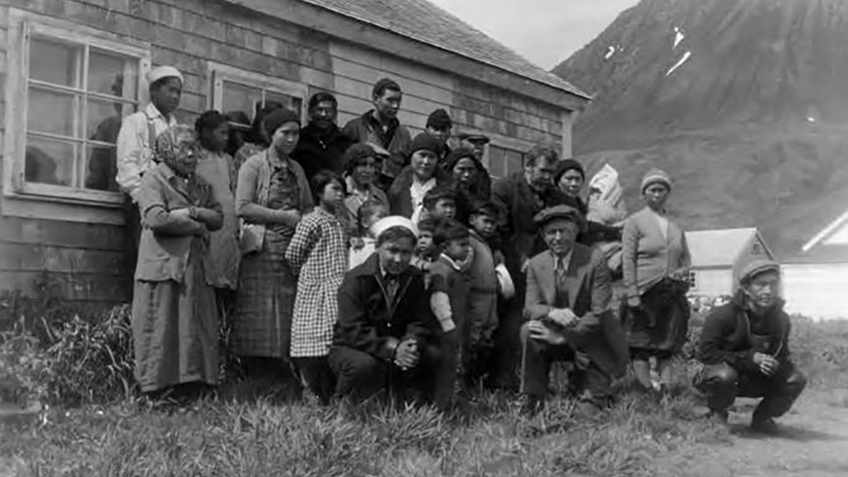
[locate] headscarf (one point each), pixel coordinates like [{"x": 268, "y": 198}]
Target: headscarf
[{"x": 172, "y": 150}]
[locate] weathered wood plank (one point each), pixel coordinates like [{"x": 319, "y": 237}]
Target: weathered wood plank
[
  {"x": 73, "y": 287},
  {"x": 34, "y": 258},
  {"x": 18, "y": 230}
]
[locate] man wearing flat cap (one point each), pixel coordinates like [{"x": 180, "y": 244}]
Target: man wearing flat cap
[
  {"x": 138, "y": 135},
  {"x": 474, "y": 141},
  {"x": 745, "y": 350},
  {"x": 381, "y": 128},
  {"x": 567, "y": 306}
]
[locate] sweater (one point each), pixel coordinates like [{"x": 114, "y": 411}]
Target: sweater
[{"x": 648, "y": 256}]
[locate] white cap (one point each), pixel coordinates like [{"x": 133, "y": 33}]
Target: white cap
[
  {"x": 390, "y": 222},
  {"x": 164, "y": 72}
]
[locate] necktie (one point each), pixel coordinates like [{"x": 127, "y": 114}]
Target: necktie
[
  {"x": 560, "y": 271},
  {"x": 391, "y": 282}
]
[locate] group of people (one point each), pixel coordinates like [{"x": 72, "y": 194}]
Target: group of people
[{"x": 360, "y": 260}]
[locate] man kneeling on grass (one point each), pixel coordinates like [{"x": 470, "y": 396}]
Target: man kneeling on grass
[
  {"x": 745, "y": 347},
  {"x": 383, "y": 335},
  {"x": 568, "y": 305}
]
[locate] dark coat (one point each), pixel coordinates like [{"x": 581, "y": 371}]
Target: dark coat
[
  {"x": 396, "y": 140},
  {"x": 367, "y": 323},
  {"x": 726, "y": 336},
  {"x": 520, "y": 235},
  {"x": 400, "y": 199},
  {"x": 598, "y": 333},
  {"x": 318, "y": 149}
]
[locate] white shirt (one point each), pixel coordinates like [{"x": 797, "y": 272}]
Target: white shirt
[{"x": 135, "y": 156}]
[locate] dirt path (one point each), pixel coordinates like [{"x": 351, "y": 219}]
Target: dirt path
[{"x": 813, "y": 442}]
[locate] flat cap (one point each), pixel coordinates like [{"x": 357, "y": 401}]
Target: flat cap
[
  {"x": 560, "y": 212},
  {"x": 474, "y": 137},
  {"x": 757, "y": 267}
]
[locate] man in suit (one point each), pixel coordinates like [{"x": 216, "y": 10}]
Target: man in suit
[
  {"x": 520, "y": 197},
  {"x": 567, "y": 304},
  {"x": 384, "y": 329}
]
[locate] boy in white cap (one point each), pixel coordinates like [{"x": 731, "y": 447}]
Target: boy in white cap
[{"x": 138, "y": 135}]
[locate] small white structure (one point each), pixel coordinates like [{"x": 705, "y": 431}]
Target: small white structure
[
  {"x": 815, "y": 283},
  {"x": 717, "y": 256}
]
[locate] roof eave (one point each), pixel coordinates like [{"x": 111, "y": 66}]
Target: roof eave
[{"x": 308, "y": 15}]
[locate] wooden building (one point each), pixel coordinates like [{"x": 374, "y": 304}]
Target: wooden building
[
  {"x": 815, "y": 282},
  {"x": 719, "y": 255},
  {"x": 71, "y": 69}
]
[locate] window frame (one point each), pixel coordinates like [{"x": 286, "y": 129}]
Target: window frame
[
  {"x": 219, "y": 73},
  {"x": 22, "y": 27},
  {"x": 514, "y": 145}
]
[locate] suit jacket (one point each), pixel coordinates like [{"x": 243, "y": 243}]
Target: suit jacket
[
  {"x": 368, "y": 323},
  {"x": 597, "y": 332}
]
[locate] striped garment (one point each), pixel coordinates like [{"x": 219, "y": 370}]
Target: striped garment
[{"x": 318, "y": 254}]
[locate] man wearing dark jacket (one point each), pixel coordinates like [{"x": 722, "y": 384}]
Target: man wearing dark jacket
[
  {"x": 380, "y": 127},
  {"x": 745, "y": 349},
  {"x": 384, "y": 329},
  {"x": 322, "y": 144}
]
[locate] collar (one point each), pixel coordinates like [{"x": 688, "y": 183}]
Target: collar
[
  {"x": 352, "y": 189},
  {"x": 428, "y": 183},
  {"x": 370, "y": 117},
  {"x": 275, "y": 160},
  {"x": 566, "y": 260},
  {"x": 450, "y": 261},
  {"x": 154, "y": 113},
  {"x": 312, "y": 130},
  {"x": 661, "y": 213}
]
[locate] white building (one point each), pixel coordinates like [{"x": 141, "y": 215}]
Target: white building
[
  {"x": 717, "y": 256},
  {"x": 816, "y": 282}
]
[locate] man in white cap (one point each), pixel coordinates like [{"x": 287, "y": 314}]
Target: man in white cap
[
  {"x": 138, "y": 135},
  {"x": 384, "y": 334}
]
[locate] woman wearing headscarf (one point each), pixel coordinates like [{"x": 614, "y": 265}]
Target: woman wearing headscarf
[
  {"x": 271, "y": 197},
  {"x": 656, "y": 265},
  {"x": 471, "y": 179},
  {"x": 257, "y": 139},
  {"x": 570, "y": 178},
  {"x": 175, "y": 319}
]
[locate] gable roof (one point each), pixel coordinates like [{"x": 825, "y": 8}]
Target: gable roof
[
  {"x": 719, "y": 248},
  {"x": 425, "y": 22}
]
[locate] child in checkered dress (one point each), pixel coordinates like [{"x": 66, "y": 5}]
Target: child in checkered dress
[{"x": 318, "y": 255}]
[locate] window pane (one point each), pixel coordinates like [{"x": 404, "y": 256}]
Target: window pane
[
  {"x": 238, "y": 97},
  {"x": 513, "y": 161},
  {"x": 104, "y": 120},
  {"x": 54, "y": 62},
  {"x": 101, "y": 168},
  {"x": 288, "y": 101},
  {"x": 497, "y": 167},
  {"x": 113, "y": 74},
  {"x": 49, "y": 161},
  {"x": 51, "y": 112}
]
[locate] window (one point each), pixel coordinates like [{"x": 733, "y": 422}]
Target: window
[
  {"x": 757, "y": 248},
  {"x": 73, "y": 91},
  {"x": 504, "y": 161},
  {"x": 247, "y": 92}
]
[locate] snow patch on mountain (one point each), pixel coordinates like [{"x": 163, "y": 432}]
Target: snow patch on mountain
[
  {"x": 678, "y": 36},
  {"x": 610, "y": 51},
  {"x": 686, "y": 57}
]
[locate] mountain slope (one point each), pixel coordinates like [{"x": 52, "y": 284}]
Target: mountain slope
[{"x": 744, "y": 102}]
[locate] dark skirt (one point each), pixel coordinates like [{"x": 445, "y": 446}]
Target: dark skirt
[
  {"x": 662, "y": 323},
  {"x": 265, "y": 304}
]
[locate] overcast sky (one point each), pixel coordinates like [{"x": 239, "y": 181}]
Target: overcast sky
[{"x": 543, "y": 31}]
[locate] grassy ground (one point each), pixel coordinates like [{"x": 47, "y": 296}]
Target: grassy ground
[{"x": 262, "y": 438}]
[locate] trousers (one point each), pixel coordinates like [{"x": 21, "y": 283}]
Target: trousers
[{"x": 722, "y": 384}]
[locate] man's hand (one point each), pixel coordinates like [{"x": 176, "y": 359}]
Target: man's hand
[
  {"x": 524, "y": 263},
  {"x": 540, "y": 332},
  {"x": 634, "y": 302},
  {"x": 563, "y": 317},
  {"x": 406, "y": 355},
  {"x": 767, "y": 364},
  {"x": 357, "y": 243}
]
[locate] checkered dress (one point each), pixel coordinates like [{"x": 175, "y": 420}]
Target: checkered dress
[{"x": 318, "y": 253}]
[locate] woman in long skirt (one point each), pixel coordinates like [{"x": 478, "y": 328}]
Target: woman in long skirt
[
  {"x": 656, "y": 265},
  {"x": 175, "y": 319},
  {"x": 271, "y": 196}
]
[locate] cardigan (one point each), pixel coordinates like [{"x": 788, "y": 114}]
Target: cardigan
[{"x": 647, "y": 256}]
